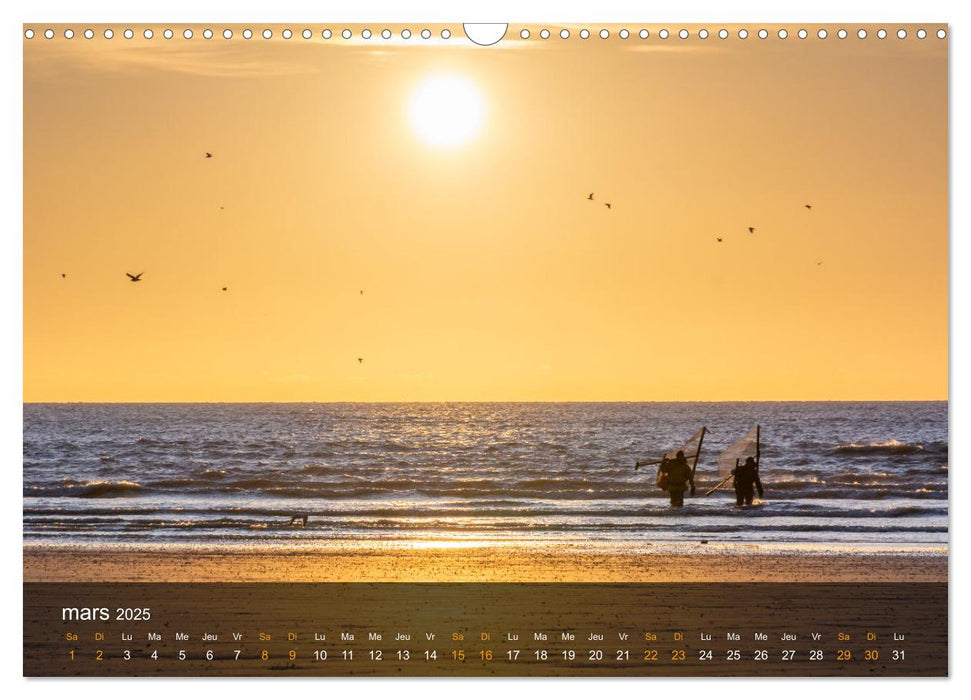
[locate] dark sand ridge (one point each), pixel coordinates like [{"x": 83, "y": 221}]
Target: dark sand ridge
[{"x": 482, "y": 564}]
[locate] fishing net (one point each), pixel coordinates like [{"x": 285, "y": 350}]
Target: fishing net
[
  {"x": 690, "y": 448},
  {"x": 739, "y": 452}
]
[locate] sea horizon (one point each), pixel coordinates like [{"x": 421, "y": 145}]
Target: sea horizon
[{"x": 836, "y": 474}]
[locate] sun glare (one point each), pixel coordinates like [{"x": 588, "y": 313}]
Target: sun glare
[{"x": 446, "y": 111}]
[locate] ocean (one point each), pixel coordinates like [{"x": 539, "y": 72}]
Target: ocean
[{"x": 837, "y": 476}]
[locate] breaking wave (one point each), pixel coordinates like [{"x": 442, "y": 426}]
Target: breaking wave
[
  {"x": 892, "y": 447},
  {"x": 85, "y": 489}
]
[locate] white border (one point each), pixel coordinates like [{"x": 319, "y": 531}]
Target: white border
[{"x": 709, "y": 11}]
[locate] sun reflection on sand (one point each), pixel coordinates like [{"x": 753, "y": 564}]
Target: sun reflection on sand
[{"x": 452, "y": 544}]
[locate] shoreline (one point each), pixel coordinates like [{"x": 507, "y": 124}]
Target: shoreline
[{"x": 441, "y": 562}]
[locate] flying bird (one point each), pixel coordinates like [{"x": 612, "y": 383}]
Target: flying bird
[
  {"x": 63, "y": 275},
  {"x": 607, "y": 204},
  {"x": 809, "y": 206},
  {"x": 134, "y": 278},
  {"x": 362, "y": 292},
  {"x": 590, "y": 196},
  {"x": 719, "y": 240},
  {"x": 818, "y": 263},
  {"x": 751, "y": 229},
  {"x": 360, "y": 360},
  {"x": 225, "y": 289},
  {"x": 208, "y": 155}
]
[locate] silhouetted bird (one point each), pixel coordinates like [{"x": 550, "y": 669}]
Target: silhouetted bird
[
  {"x": 208, "y": 155},
  {"x": 134, "y": 278},
  {"x": 63, "y": 275},
  {"x": 607, "y": 204},
  {"x": 809, "y": 206},
  {"x": 820, "y": 262},
  {"x": 719, "y": 240},
  {"x": 590, "y": 196},
  {"x": 360, "y": 360},
  {"x": 751, "y": 229},
  {"x": 362, "y": 292},
  {"x": 225, "y": 289}
]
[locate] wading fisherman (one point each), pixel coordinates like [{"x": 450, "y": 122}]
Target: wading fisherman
[
  {"x": 674, "y": 475},
  {"x": 746, "y": 476}
]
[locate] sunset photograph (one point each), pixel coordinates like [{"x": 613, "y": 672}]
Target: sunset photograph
[{"x": 598, "y": 305}]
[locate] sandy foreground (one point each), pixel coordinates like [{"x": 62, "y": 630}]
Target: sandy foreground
[{"x": 475, "y": 564}]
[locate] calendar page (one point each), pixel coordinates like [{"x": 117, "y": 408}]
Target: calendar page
[{"x": 485, "y": 350}]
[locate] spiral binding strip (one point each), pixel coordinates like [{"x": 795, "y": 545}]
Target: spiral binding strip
[{"x": 366, "y": 34}]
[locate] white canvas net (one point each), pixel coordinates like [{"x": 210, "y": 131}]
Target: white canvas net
[
  {"x": 738, "y": 452},
  {"x": 690, "y": 448}
]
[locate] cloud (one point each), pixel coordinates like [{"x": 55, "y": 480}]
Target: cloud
[{"x": 201, "y": 59}]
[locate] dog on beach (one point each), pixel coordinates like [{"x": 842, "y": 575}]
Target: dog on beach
[{"x": 295, "y": 518}]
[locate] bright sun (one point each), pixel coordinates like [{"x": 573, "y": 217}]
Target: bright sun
[{"x": 446, "y": 111}]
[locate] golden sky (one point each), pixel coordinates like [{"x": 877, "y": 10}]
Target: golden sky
[{"x": 487, "y": 273}]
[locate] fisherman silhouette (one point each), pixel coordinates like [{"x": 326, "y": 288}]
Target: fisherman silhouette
[
  {"x": 674, "y": 475},
  {"x": 746, "y": 476}
]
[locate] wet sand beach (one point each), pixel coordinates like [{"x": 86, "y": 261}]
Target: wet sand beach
[{"x": 474, "y": 564}]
